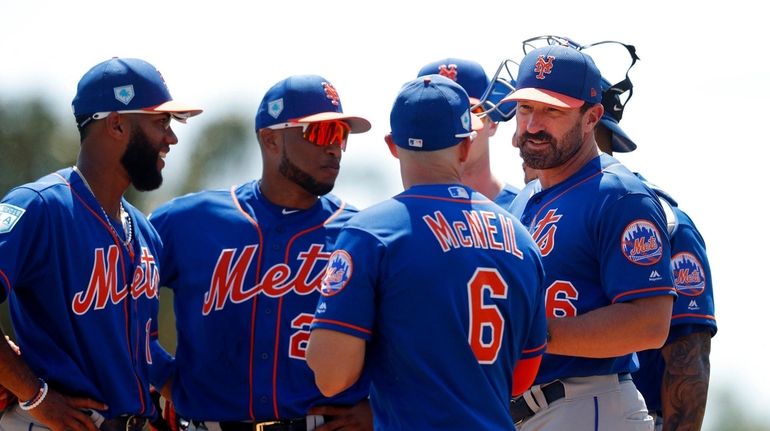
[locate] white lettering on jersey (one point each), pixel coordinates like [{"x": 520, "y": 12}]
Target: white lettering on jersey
[{"x": 476, "y": 229}]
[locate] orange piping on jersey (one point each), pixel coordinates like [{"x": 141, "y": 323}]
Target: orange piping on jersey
[
  {"x": 346, "y": 325},
  {"x": 535, "y": 349},
  {"x": 280, "y": 307},
  {"x": 547, "y": 204},
  {"x": 7, "y": 281},
  {"x": 634, "y": 292},
  {"x": 121, "y": 258},
  {"x": 701, "y": 316},
  {"x": 254, "y": 303}
]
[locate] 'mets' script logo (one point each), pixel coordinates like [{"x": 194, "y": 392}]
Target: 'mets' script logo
[
  {"x": 545, "y": 232},
  {"x": 227, "y": 280},
  {"x": 103, "y": 285}
]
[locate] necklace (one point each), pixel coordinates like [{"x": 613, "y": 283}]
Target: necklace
[{"x": 125, "y": 218}]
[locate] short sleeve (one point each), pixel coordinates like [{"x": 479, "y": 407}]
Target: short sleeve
[{"x": 347, "y": 302}]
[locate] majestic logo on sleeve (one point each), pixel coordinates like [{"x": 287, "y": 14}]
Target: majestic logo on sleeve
[
  {"x": 689, "y": 278},
  {"x": 229, "y": 275},
  {"x": 338, "y": 273},
  {"x": 641, "y": 243},
  {"x": 9, "y": 215},
  {"x": 103, "y": 285}
]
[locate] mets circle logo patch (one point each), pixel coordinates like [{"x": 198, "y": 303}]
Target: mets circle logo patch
[
  {"x": 689, "y": 278},
  {"x": 338, "y": 273},
  {"x": 641, "y": 243}
]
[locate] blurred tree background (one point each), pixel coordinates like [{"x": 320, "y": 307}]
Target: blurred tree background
[{"x": 34, "y": 142}]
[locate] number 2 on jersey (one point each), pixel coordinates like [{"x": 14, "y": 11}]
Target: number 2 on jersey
[{"x": 486, "y": 321}]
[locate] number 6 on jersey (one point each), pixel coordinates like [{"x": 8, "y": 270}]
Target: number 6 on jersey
[{"x": 487, "y": 324}]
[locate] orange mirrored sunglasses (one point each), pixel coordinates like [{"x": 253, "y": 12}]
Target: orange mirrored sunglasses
[{"x": 321, "y": 133}]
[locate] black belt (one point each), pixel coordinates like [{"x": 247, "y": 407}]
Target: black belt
[
  {"x": 123, "y": 423},
  {"x": 553, "y": 391},
  {"x": 299, "y": 424}
]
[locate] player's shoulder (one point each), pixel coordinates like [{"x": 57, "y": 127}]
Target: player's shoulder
[
  {"x": 333, "y": 204},
  {"x": 49, "y": 189},
  {"x": 617, "y": 179},
  {"x": 196, "y": 202}
]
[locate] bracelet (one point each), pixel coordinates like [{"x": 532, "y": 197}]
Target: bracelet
[{"x": 37, "y": 399}]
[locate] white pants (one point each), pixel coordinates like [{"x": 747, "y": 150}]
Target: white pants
[
  {"x": 16, "y": 419},
  {"x": 596, "y": 403}
]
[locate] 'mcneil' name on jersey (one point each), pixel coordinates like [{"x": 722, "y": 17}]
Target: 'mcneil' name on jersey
[
  {"x": 477, "y": 229},
  {"x": 227, "y": 281}
]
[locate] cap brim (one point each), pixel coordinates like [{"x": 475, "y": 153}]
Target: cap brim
[
  {"x": 180, "y": 111},
  {"x": 357, "y": 124},
  {"x": 544, "y": 96},
  {"x": 621, "y": 143}
]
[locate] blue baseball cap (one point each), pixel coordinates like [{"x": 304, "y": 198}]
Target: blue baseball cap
[
  {"x": 469, "y": 74},
  {"x": 559, "y": 76},
  {"x": 304, "y": 99},
  {"x": 430, "y": 113},
  {"x": 126, "y": 84}
]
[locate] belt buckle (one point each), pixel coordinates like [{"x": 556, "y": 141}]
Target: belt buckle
[{"x": 261, "y": 426}]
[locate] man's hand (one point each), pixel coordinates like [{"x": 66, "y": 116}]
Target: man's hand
[
  {"x": 345, "y": 418},
  {"x": 6, "y": 397},
  {"x": 62, "y": 413}
]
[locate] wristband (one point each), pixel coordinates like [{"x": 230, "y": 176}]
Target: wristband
[{"x": 37, "y": 399}]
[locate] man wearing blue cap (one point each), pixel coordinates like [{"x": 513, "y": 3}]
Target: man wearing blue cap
[
  {"x": 79, "y": 263},
  {"x": 674, "y": 379},
  {"x": 245, "y": 265},
  {"x": 477, "y": 172},
  {"x": 438, "y": 288},
  {"x": 602, "y": 235}
]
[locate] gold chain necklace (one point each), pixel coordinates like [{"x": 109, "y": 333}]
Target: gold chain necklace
[{"x": 125, "y": 218}]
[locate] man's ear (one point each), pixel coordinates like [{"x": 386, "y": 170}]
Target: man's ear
[
  {"x": 492, "y": 128},
  {"x": 117, "y": 125},
  {"x": 391, "y": 145},
  {"x": 594, "y": 114},
  {"x": 268, "y": 139},
  {"x": 465, "y": 148}
]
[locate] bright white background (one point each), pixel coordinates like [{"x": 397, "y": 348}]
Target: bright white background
[{"x": 700, "y": 101}]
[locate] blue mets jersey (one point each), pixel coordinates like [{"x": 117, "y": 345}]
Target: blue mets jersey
[
  {"x": 506, "y": 196},
  {"x": 83, "y": 304},
  {"x": 246, "y": 277},
  {"x": 694, "y": 307},
  {"x": 602, "y": 236},
  {"x": 446, "y": 287}
]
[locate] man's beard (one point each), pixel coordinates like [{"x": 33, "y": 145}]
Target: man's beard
[
  {"x": 302, "y": 178},
  {"x": 141, "y": 162},
  {"x": 560, "y": 151}
]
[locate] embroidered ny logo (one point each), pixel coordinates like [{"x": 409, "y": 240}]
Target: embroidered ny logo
[
  {"x": 450, "y": 71},
  {"x": 543, "y": 67},
  {"x": 331, "y": 93}
]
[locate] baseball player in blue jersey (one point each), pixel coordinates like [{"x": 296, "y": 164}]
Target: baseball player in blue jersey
[
  {"x": 477, "y": 172},
  {"x": 438, "y": 288},
  {"x": 80, "y": 265},
  {"x": 245, "y": 265},
  {"x": 602, "y": 235},
  {"x": 674, "y": 379}
]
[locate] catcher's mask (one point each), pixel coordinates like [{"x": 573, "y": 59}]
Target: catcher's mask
[{"x": 614, "y": 96}]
